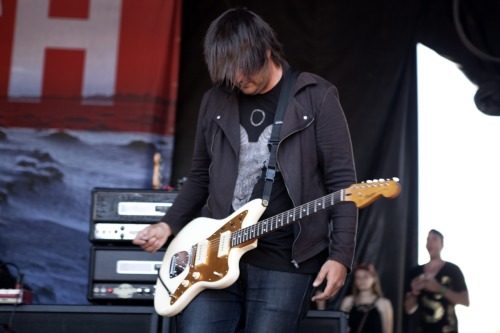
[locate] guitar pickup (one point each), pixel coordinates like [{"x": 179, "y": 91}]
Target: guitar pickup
[
  {"x": 201, "y": 253},
  {"x": 224, "y": 247}
]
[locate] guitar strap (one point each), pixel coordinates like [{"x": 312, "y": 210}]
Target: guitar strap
[
  {"x": 289, "y": 79},
  {"x": 365, "y": 315}
]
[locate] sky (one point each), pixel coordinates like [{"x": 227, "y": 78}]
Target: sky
[{"x": 459, "y": 163}]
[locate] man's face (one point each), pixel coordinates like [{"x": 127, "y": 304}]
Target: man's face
[
  {"x": 258, "y": 83},
  {"x": 364, "y": 280},
  {"x": 434, "y": 244}
]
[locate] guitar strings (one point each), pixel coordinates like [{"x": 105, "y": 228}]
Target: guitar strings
[
  {"x": 265, "y": 226},
  {"x": 287, "y": 217},
  {"x": 279, "y": 220}
]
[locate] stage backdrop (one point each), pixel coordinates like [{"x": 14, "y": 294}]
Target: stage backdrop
[{"x": 87, "y": 97}]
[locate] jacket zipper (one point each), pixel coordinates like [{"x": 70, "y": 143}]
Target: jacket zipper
[
  {"x": 210, "y": 171},
  {"x": 294, "y": 262}
]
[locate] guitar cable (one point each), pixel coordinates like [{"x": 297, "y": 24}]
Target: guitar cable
[{"x": 163, "y": 283}]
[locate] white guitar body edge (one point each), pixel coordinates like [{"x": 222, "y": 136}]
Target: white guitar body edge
[{"x": 194, "y": 232}]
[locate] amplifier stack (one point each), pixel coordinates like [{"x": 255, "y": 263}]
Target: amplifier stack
[{"x": 120, "y": 272}]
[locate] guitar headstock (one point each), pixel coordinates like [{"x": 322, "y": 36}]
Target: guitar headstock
[{"x": 365, "y": 193}]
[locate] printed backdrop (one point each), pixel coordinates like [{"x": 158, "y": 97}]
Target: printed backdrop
[{"x": 87, "y": 97}]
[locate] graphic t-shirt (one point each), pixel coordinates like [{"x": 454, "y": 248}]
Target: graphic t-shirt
[
  {"x": 274, "y": 250},
  {"x": 436, "y": 313}
]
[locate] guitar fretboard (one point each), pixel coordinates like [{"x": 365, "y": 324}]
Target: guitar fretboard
[{"x": 281, "y": 220}]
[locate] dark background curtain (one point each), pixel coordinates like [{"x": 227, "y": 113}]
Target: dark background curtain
[{"x": 368, "y": 50}]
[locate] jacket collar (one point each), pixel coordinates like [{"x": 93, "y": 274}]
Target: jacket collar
[{"x": 229, "y": 120}]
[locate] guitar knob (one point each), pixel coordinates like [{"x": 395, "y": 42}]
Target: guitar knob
[
  {"x": 185, "y": 283},
  {"x": 196, "y": 275}
]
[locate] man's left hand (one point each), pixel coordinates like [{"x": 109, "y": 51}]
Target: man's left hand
[{"x": 335, "y": 274}]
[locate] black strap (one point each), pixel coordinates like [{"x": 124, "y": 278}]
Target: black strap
[
  {"x": 363, "y": 320},
  {"x": 285, "y": 94}
]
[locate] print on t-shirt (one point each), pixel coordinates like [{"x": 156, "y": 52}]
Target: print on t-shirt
[{"x": 254, "y": 156}]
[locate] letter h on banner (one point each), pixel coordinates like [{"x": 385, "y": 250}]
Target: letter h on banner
[{"x": 35, "y": 32}]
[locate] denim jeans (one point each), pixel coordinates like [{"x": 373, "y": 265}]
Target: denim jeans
[{"x": 261, "y": 301}]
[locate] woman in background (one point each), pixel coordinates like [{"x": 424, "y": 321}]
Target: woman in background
[{"x": 369, "y": 311}]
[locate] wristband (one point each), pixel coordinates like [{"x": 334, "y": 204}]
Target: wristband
[{"x": 442, "y": 290}]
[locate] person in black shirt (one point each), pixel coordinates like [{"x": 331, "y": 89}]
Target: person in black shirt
[
  {"x": 434, "y": 289},
  {"x": 369, "y": 311}
]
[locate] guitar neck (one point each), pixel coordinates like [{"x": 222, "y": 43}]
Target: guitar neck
[{"x": 288, "y": 217}]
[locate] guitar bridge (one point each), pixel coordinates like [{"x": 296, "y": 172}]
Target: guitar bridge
[{"x": 178, "y": 263}]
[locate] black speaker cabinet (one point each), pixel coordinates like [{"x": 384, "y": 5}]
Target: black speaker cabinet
[
  {"x": 119, "y": 214},
  {"x": 324, "y": 322},
  {"x": 315, "y": 322},
  {"x": 82, "y": 319},
  {"x": 123, "y": 275},
  {"x": 125, "y": 319}
]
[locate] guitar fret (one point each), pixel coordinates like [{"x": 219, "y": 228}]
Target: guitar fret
[{"x": 285, "y": 218}]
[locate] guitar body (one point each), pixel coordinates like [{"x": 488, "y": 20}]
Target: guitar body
[{"x": 201, "y": 257}]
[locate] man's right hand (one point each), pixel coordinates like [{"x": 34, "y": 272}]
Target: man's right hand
[
  {"x": 153, "y": 237},
  {"x": 417, "y": 284}
]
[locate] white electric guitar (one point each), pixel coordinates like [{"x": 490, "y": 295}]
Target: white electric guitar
[{"x": 205, "y": 254}]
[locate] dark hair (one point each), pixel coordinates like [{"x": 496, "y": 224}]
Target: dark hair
[
  {"x": 440, "y": 235},
  {"x": 237, "y": 42}
]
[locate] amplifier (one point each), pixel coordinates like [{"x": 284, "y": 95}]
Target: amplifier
[
  {"x": 123, "y": 275},
  {"x": 119, "y": 214},
  {"x": 15, "y": 296}
]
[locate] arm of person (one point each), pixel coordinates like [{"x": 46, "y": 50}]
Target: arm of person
[
  {"x": 335, "y": 157},
  {"x": 384, "y": 306},
  {"x": 411, "y": 303},
  {"x": 455, "y": 297},
  {"x": 335, "y": 274},
  {"x": 411, "y": 297},
  {"x": 153, "y": 237},
  {"x": 346, "y": 304}
]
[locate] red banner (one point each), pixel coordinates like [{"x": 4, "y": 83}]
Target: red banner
[{"x": 98, "y": 65}]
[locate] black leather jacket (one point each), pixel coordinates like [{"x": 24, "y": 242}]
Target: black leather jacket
[{"x": 314, "y": 156}]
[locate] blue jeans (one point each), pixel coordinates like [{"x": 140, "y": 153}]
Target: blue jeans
[{"x": 261, "y": 301}]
